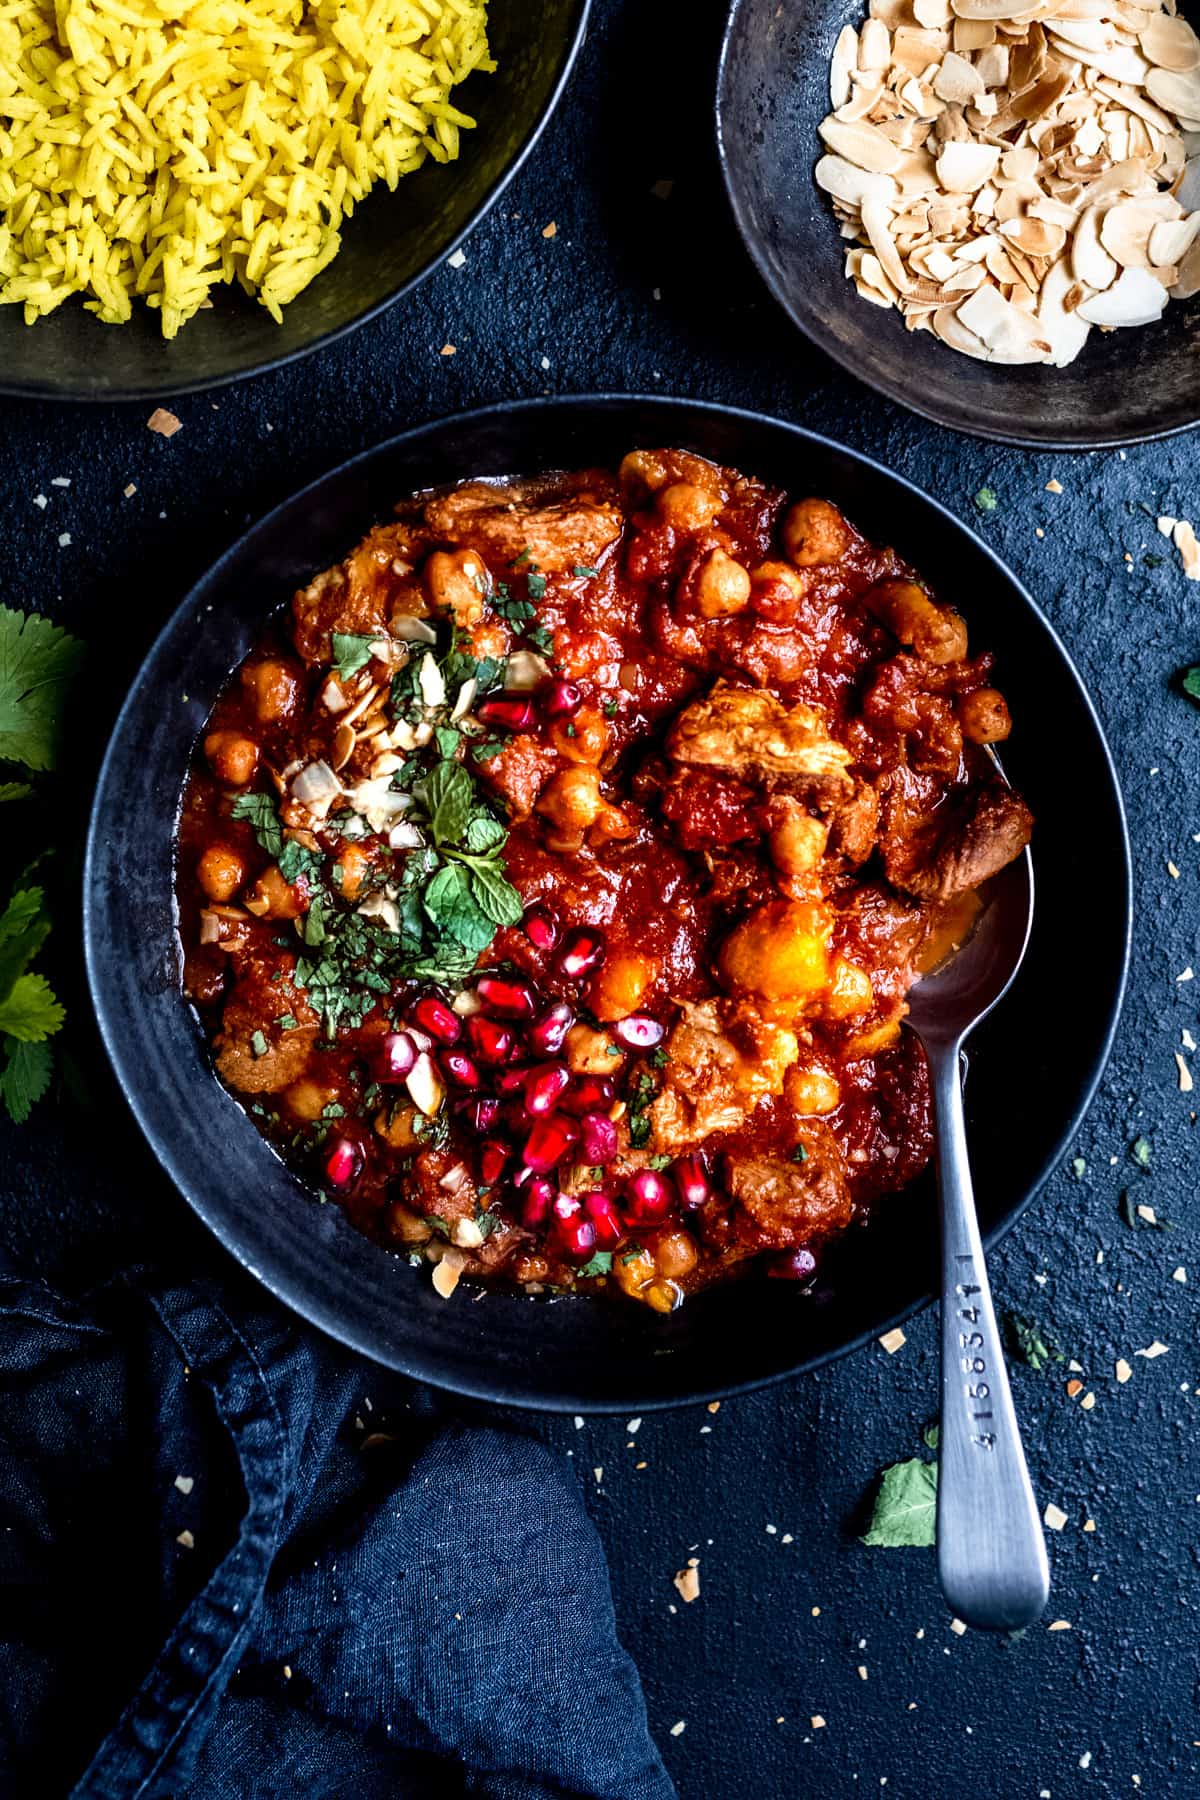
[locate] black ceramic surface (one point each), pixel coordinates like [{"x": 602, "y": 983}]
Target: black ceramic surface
[
  {"x": 392, "y": 241},
  {"x": 572, "y": 1354},
  {"x": 773, "y": 92}
]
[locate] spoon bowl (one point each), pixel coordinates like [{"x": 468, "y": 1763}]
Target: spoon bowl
[{"x": 962, "y": 989}]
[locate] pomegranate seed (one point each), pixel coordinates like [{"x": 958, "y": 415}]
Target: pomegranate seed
[
  {"x": 544, "y": 1085},
  {"x": 343, "y": 1163},
  {"x": 481, "y": 1114},
  {"x": 639, "y": 1032},
  {"x": 691, "y": 1179},
  {"x": 549, "y": 1033},
  {"x": 491, "y": 1041},
  {"x": 492, "y": 1157},
  {"x": 536, "y": 1201},
  {"x": 395, "y": 1057},
  {"x": 583, "y": 949},
  {"x": 648, "y": 1198},
  {"x": 511, "y": 715},
  {"x": 460, "y": 1068},
  {"x": 793, "y": 1265},
  {"x": 561, "y": 699},
  {"x": 574, "y": 1232},
  {"x": 435, "y": 1017},
  {"x": 549, "y": 1141},
  {"x": 597, "y": 1139},
  {"x": 511, "y": 999},
  {"x": 512, "y": 1079},
  {"x": 589, "y": 1093},
  {"x": 541, "y": 928},
  {"x": 603, "y": 1214}
]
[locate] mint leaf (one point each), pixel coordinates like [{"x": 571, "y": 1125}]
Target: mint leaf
[
  {"x": 351, "y": 651},
  {"x": 37, "y": 660},
  {"x": 449, "y": 905},
  {"x": 295, "y": 860},
  {"x": 986, "y": 500},
  {"x": 25, "y": 1077},
  {"x": 1027, "y": 1342},
  {"x": 260, "y": 810},
  {"x": 485, "y": 833},
  {"x": 905, "y": 1507},
  {"x": 448, "y": 739},
  {"x": 30, "y": 1012},
  {"x": 449, "y": 796},
  {"x": 496, "y": 896}
]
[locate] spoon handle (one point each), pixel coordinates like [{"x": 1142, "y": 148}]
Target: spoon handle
[{"x": 991, "y": 1552}]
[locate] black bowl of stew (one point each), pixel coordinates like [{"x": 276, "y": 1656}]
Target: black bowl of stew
[
  {"x": 392, "y": 242},
  {"x": 772, "y": 94},
  {"x": 584, "y": 1353}
]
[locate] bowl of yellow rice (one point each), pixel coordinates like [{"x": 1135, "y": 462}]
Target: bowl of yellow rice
[{"x": 190, "y": 193}]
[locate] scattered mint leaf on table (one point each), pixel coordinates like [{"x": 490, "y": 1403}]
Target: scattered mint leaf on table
[
  {"x": 1140, "y": 1152},
  {"x": 929, "y": 1437},
  {"x": 37, "y": 660},
  {"x": 1027, "y": 1342},
  {"x": 905, "y": 1514},
  {"x": 986, "y": 500}
]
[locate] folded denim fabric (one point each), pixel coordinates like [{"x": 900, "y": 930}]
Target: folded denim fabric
[{"x": 223, "y": 1575}]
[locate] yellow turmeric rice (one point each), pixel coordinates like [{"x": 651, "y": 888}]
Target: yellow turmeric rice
[{"x": 156, "y": 147}]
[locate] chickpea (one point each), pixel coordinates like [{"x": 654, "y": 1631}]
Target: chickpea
[
  {"x": 646, "y": 471},
  {"x": 776, "y": 590},
  {"x": 723, "y": 586},
  {"x": 620, "y": 984},
  {"x": 234, "y": 758},
  {"x": 779, "y": 952},
  {"x": 354, "y": 862},
  {"x": 610, "y": 827},
  {"x": 592, "y": 1052},
  {"x": 936, "y": 633},
  {"x": 796, "y": 840},
  {"x": 407, "y": 1226},
  {"x": 811, "y": 1091},
  {"x": 571, "y": 799},
  {"x": 984, "y": 716},
  {"x": 878, "y": 1037},
  {"x": 583, "y": 738},
  {"x": 221, "y": 872},
  {"x": 675, "y": 1254},
  {"x": 850, "y": 991},
  {"x": 396, "y": 1126},
  {"x": 634, "y": 1273},
  {"x": 273, "y": 897},
  {"x": 663, "y": 1296},
  {"x": 275, "y": 688},
  {"x": 688, "y": 507},
  {"x": 530, "y": 1268},
  {"x": 458, "y": 583},
  {"x": 814, "y": 532},
  {"x": 308, "y": 1099}
]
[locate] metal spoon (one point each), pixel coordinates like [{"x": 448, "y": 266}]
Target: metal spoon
[{"x": 991, "y": 1552}]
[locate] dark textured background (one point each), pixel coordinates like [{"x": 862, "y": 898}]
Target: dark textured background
[{"x": 640, "y": 292}]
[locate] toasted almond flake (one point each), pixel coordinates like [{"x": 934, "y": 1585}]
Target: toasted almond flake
[
  {"x": 963, "y": 168},
  {"x": 1054, "y": 487},
  {"x": 448, "y": 350},
  {"x": 1088, "y": 1401},
  {"x": 850, "y": 185},
  {"x": 163, "y": 422},
  {"x": 1073, "y": 1388},
  {"x": 874, "y": 45},
  {"x": 861, "y": 144},
  {"x": 1135, "y": 298},
  {"x": 129, "y": 490},
  {"x": 1125, "y": 232},
  {"x": 1186, "y": 1084},
  {"x": 425, "y": 1086},
  {"x": 817, "y": 1722},
  {"x": 893, "y": 1340},
  {"x": 1059, "y": 1625},
  {"x": 845, "y": 59},
  {"x": 957, "y": 1627},
  {"x": 862, "y": 1671},
  {"x": 1175, "y": 90},
  {"x": 1184, "y": 538},
  {"x": 447, "y": 1271},
  {"x": 1170, "y": 43},
  {"x": 1089, "y": 1524},
  {"x": 687, "y": 1583},
  {"x": 185, "y": 1483},
  {"x": 186, "y": 1539},
  {"x": 550, "y": 230},
  {"x": 1166, "y": 524},
  {"x": 1055, "y": 1517},
  {"x": 679, "y": 1727},
  {"x": 1157, "y": 1348},
  {"x": 1090, "y": 262}
]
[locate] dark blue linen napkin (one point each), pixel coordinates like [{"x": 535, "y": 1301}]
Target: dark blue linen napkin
[{"x": 224, "y": 1574}]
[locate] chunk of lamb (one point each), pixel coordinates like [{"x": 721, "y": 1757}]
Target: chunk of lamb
[
  {"x": 360, "y": 595},
  {"x": 747, "y": 732},
  {"x": 254, "y": 1053},
  {"x": 723, "y": 1059},
  {"x": 793, "y": 1202},
  {"x": 556, "y": 532},
  {"x": 969, "y": 841}
]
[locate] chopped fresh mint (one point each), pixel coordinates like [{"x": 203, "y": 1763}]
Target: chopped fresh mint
[
  {"x": 351, "y": 651},
  {"x": 905, "y": 1514}
]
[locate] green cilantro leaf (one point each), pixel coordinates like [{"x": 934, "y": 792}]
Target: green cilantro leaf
[
  {"x": 599, "y": 1264},
  {"x": 351, "y": 651},
  {"x": 986, "y": 500},
  {"x": 37, "y": 660},
  {"x": 448, "y": 800},
  {"x": 24, "y": 928},
  {"x": 25, "y": 1077},
  {"x": 260, "y": 810},
  {"x": 905, "y": 1507},
  {"x": 30, "y": 1012}
]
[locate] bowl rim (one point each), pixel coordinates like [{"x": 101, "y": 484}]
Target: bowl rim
[
  {"x": 139, "y": 391},
  {"x": 314, "y": 1310},
  {"x": 1077, "y": 441}
]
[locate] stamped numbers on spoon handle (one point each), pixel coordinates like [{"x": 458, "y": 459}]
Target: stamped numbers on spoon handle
[{"x": 991, "y": 1551}]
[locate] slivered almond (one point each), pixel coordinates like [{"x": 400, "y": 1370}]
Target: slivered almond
[
  {"x": 963, "y": 168},
  {"x": 846, "y": 183},
  {"x": 1135, "y": 298},
  {"x": 874, "y": 45},
  {"x": 1177, "y": 91},
  {"x": 1171, "y": 239},
  {"x": 1170, "y": 43},
  {"x": 957, "y": 80},
  {"x": 861, "y": 144},
  {"x": 845, "y": 58},
  {"x": 1125, "y": 233}
]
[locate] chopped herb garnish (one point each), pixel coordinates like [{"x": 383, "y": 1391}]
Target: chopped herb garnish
[
  {"x": 599, "y": 1264},
  {"x": 986, "y": 500},
  {"x": 610, "y": 709},
  {"x": 1190, "y": 682},
  {"x": 287, "y": 1022},
  {"x": 484, "y": 752},
  {"x": 258, "y": 1043},
  {"x": 438, "y": 1224},
  {"x": 800, "y": 1154},
  {"x": 660, "y": 1058},
  {"x": 261, "y": 811},
  {"x": 632, "y": 1254},
  {"x": 526, "y": 556},
  {"x": 537, "y": 587},
  {"x": 542, "y": 638},
  {"x": 351, "y": 651},
  {"x": 660, "y": 1162},
  {"x": 1027, "y": 1342},
  {"x": 295, "y": 860},
  {"x": 1140, "y": 1152},
  {"x": 582, "y": 570}
]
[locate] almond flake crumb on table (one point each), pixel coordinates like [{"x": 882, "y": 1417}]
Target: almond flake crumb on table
[
  {"x": 163, "y": 422},
  {"x": 892, "y": 1341}
]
